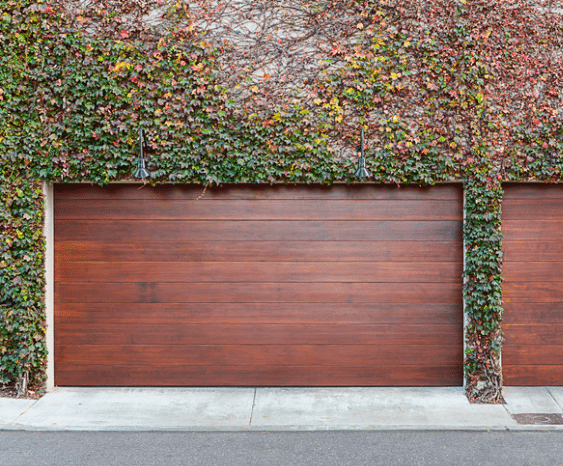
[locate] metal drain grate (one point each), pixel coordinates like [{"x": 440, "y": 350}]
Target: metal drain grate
[{"x": 544, "y": 419}]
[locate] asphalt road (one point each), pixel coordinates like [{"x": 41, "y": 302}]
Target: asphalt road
[{"x": 281, "y": 448}]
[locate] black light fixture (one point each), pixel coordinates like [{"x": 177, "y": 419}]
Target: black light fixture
[
  {"x": 362, "y": 171},
  {"x": 141, "y": 171}
]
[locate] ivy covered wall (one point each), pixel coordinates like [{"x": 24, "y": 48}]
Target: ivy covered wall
[
  {"x": 275, "y": 91},
  {"x": 22, "y": 308}
]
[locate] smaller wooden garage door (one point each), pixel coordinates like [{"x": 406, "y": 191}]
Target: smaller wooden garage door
[
  {"x": 532, "y": 224},
  {"x": 284, "y": 285}
]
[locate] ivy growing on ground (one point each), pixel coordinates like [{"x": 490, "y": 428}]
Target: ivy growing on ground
[{"x": 274, "y": 91}]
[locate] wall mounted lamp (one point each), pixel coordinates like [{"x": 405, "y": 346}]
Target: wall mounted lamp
[
  {"x": 362, "y": 171},
  {"x": 141, "y": 171}
]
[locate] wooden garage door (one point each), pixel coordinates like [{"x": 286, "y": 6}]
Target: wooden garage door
[
  {"x": 263, "y": 285},
  {"x": 532, "y": 224}
]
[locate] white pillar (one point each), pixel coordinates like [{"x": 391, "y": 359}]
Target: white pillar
[
  {"x": 465, "y": 316},
  {"x": 48, "y": 232}
]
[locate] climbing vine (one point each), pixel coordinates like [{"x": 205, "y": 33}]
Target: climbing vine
[
  {"x": 482, "y": 285},
  {"x": 273, "y": 91},
  {"x": 22, "y": 310}
]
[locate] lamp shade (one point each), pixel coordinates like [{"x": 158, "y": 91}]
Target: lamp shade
[
  {"x": 362, "y": 171},
  {"x": 141, "y": 171}
]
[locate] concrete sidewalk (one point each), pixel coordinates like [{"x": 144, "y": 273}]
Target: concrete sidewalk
[{"x": 220, "y": 409}]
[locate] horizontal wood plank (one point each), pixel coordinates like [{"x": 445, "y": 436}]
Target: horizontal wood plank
[
  {"x": 250, "y": 376},
  {"x": 538, "y": 292},
  {"x": 533, "y": 313},
  {"x": 126, "y": 231},
  {"x": 542, "y": 354},
  {"x": 152, "y": 292},
  {"x": 82, "y": 314},
  {"x": 259, "y": 272},
  {"x": 532, "y": 230},
  {"x": 257, "y": 355},
  {"x": 539, "y": 251},
  {"x": 256, "y": 192},
  {"x": 201, "y": 250},
  {"x": 524, "y": 209},
  {"x": 532, "y": 375},
  {"x": 532, "y": 334},
  {"x": 259, "y": 210},
  {"x": 531, "y": 271},
  {"x": 536, "y": 191},
  {"x": 258, "y": 334}
]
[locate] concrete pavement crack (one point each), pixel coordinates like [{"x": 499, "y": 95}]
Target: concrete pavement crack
[
  {"x": 24, "y": 412},
  {"x": 554, "y": 399},
  {"x": 253, "y": 404}
]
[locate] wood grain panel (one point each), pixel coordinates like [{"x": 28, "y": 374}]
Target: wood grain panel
[
  {"x": 538, "y": 191},
  {"x": 540, "y": 251},
  {"x": 257, "y": 355},
  {"x": 532, "y": 216},
  {"x": 535, "y": 292},
  {"x": 201, "y": 250},
  {"x": 259, "y": 210},
  {"x": 126, "y": 231},
  {"x": 532, "y": 334},
  {"x": 523, "y": 209},
  {"x": 131, "y": 375},
  {"x": 533, "y": 313},
  {"x": 80, "y": 315},
  {"x": 153, "y": 292},
  {"x": 117, "y": 192},
  {"x": 257, "y": 334},
  {"x": 531, "y": 271},
  {"x": 547, "y": 354},
  {"x": 258, "y": 285},
  {"x": 259, "y": 272},
  {"x": 532, "y": 230},
  {"x": 533, "y": 375}
]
